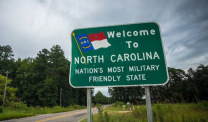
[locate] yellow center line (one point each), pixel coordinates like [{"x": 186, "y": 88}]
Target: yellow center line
[{"x": 44, "y": 120}]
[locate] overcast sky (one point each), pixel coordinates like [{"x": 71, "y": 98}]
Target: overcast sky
[{"x": 31, "y": 25}]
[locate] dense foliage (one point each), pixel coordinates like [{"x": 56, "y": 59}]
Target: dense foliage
[
  {"x": 41, "y": 81},
  {"x": 181, "y": 87},
  {"x": 11, "y": 91},
  {"x": 44, "y": 80},
  {"x": 127, "y": 94},
  {"x": 189, "y": 112},
  {"x": 99, "y": 98}
]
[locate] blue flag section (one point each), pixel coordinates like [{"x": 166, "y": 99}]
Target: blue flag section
[{"x": 84, "y": 42}]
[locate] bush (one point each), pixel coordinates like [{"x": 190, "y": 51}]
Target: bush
[
  {"x": 57, "y": 107},
  {"x": 100, "y": 108},
  {"x": 136, "y": 112},
  {"x": 106, "y": 116},
  {"x": 74, "y": 107},
  {"x": 159, "y": 112},
  {"x": 18, "y": 105},
  {"x": 118, "y": 104},
  {"x": 140, "y": 112},
  {"x": 1, "y": 109},
  {"x": 70, "y": 107},
  {"x": 205, "y": 103}
]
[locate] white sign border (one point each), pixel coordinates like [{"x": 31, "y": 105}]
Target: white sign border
[{"x": 121, "y": 85}]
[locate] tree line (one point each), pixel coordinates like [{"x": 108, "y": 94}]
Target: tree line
[
  {"x": 40, "y": 81},
  {"x": 190, "y": 86},
  {"x": 44, "y": 81}
]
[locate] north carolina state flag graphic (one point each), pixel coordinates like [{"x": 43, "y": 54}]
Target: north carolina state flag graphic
[
  {"x": 92, "y": 41},
  {"x": 98, "y": 40}
]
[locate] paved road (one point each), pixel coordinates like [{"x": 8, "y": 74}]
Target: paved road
[{"x": 72, "y": 116}]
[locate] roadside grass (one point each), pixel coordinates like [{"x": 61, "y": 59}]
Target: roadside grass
[
  {"x": 183, "y": 112},
  {"x": 9, "y": 113},
  {"x": 13, "y": 113},
  {"x": 180, "y": 112}
]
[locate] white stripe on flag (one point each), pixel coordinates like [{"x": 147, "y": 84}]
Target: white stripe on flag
[{"x": 100, "y": 44}]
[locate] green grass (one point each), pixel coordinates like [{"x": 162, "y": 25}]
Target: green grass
[
  {"x": 13, "y": 113},
  {"x": 161, "y": 113}
]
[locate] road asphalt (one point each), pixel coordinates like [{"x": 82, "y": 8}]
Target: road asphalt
[{"x": 71, "y": 116}]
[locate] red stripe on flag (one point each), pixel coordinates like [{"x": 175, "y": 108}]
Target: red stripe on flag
[{"x": 96, "y": 36}]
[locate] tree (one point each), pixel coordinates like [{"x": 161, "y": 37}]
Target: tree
[
  {"x": 47, "y": 94},
  {"x": 6, "y": 52},
  {"x": 200, "y": 83},
  {"x": 59, "y": 67},
  {"x": 7, "y": 62},
  {"x": 42, "y": 65},
  {"x": 11, "y": 91},
  {"x": 40, "y": 80},
  {"x": 26, "y": 83},
  {"x": 126, "y": 94},
  {"x": 173, "y": 90},
  {"x": 100, "y": 98},
  {"x": 46, "y": 87},
  {"x": 183, "y": 87}
]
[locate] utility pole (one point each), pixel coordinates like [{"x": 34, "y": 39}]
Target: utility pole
[
  {"x": 60, "y": 95},
  {"x": 5, "y": 88}
]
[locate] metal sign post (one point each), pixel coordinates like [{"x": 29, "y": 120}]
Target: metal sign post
[
  {"x": 89, "y": 105},
  {"x": 118, "y": 56},
  {"x": 148, "y": 104}
]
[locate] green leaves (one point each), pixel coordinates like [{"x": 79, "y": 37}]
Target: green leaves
[
  {"x": 10, "y": 91},
  {"x": 38, "y": 81},
  {"x": 100, "y": 98},
  {"x": 126, "y": 94},
  {"x": 183, "y": 87}
]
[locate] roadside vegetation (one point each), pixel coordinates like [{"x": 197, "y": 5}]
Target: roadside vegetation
[
  {"x": 183, "y": 112},
  {"x": 38, "y": 81},
  {"x": 20, "y": 110},
  {"x": 37, "y": 85}
]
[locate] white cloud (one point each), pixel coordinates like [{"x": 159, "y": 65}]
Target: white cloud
[
  {"x": 104, "y": 90},
  {"x": 29, "y": 26}
]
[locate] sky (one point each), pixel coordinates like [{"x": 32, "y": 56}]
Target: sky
[{"x": 29, "y": 26}]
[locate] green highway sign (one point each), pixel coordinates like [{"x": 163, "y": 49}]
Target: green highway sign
[{"x": 121, "y": 55}]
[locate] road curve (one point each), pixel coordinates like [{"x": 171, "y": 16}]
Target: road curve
[{"x": 71, "y": 116}]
